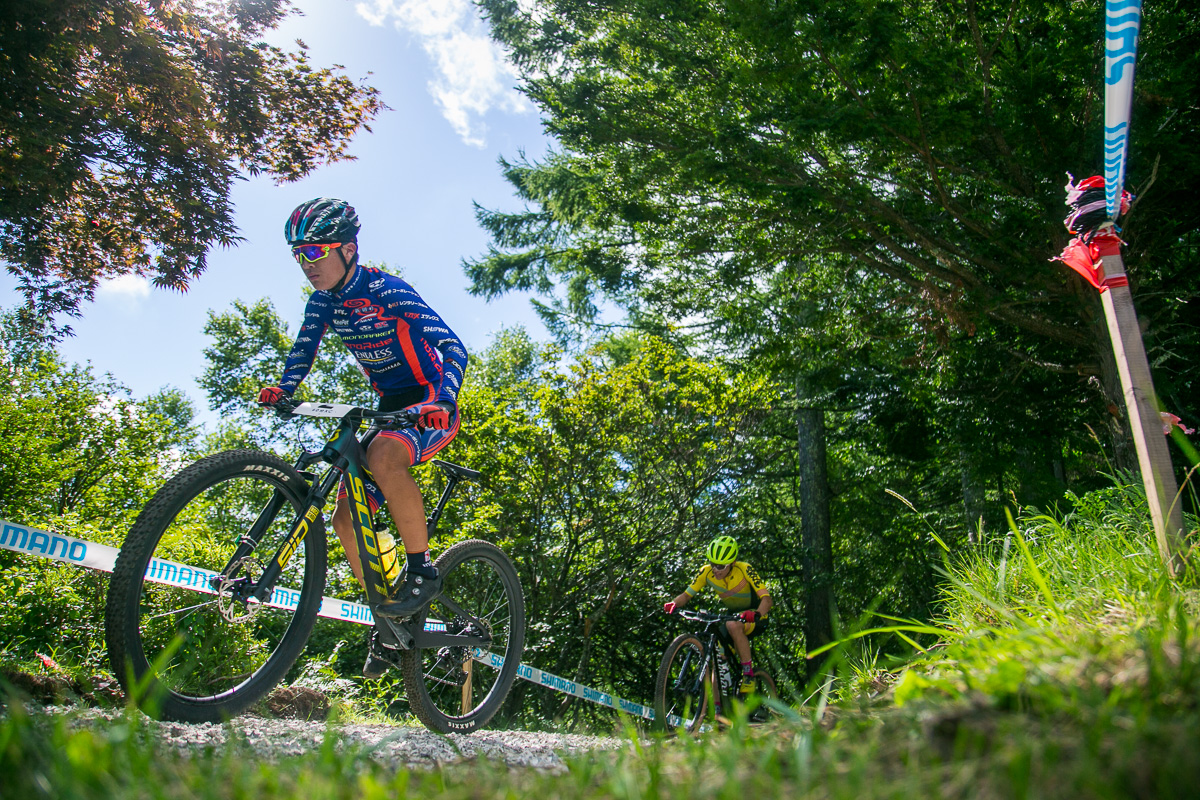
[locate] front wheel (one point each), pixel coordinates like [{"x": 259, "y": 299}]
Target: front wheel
[
  {"x": 459, "y": 689},
  {"x": 682, "y": 689},
  {"x": 185, "y": 642}
]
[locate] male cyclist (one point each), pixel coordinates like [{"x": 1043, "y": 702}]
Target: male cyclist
[
  {"x": 412, "y": 359},
  {"x": 741, "y": 590}
]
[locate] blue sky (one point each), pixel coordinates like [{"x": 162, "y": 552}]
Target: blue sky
[{"x": 453, "y": 113}]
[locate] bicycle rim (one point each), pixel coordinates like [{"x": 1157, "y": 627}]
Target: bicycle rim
[
  {"x": 199, "y": 654},
  {"x": 766, "y": 687},
  {"x": 680, "y": 690},
  {"x": 459, "y": 689}
]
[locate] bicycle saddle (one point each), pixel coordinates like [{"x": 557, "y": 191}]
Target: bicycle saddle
[{"x": 454, "y": 470}]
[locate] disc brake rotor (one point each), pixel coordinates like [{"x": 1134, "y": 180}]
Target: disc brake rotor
[{"x": 231, "y": 607}]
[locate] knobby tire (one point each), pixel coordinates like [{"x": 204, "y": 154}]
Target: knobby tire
[
  {"x": 691, "y": 707},
  {"x": 172, "y": 648},
  {"x": 449, "y": 690}
]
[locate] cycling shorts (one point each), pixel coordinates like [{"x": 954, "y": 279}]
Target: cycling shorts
[
  {"x": 755, "y": 628},
  {"x": 752, "y": 628},
  {"x": 422, "y": 445}
]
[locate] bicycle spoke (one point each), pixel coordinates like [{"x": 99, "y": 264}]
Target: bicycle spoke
[
  {"x": 225, "y": 652},
  {"x": 448, "y": 689},
  {"x": 189, "y": 609}
]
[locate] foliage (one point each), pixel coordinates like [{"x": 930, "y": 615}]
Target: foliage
[
  {"x": 1069, "y": 613},
  {"x": 71, "y": 442},
  {"x": 862, "y": 199},
  {"x": 707, "y": 144},
  {"x": 125, "y": 124},
  {"x": 602, "y": 480},
  {"x": 1050, "y": 682},
  {"x": 77, "y": 456}
]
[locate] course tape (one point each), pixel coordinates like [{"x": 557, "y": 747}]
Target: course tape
[
  {"x": 82, "y": 553},
  {"x": 542, "y": 678}
]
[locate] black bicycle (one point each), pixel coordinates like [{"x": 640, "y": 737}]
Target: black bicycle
[
  {"x": 697, "y": 682},
  {"x": 221, "y": 578}
]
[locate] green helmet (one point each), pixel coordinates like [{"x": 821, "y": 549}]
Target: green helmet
[{"x": 722, "y": 550}]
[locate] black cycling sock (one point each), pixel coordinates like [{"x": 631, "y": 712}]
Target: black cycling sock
[{"x": 420, "y": 564}]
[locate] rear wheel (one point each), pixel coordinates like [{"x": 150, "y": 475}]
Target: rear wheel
[
  {"x": 682, "y": 689},
  {"x": 181, "y": 640},
  {"x": 766, "y": 690},
  {"x": 459, "y": 689}
]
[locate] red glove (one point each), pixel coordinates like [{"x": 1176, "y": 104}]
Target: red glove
[
  {"x": 435, "y": 415},
  {"x": 750, "y": 615},
  {"x": 669, "y": 608},
  {"x": 270, "y": 395}
]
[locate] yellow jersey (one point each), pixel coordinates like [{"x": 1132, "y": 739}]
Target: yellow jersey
[{"x": 739, "y": 590}]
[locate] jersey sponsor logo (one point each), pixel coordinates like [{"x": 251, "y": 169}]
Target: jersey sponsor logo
[
  {"x": 435, "y": 330},
  {"x": 376, "y": 284},
  {"x": 387, "y": 367},
  {"x": 304, "y": 339},
  {"x": 434, "y": 356},
  {"x": 375, "y": 356},
  {"x": 388, "y": 292},
  {"x": 368, "y": 345},
  {"x": 310, "y": 327}
]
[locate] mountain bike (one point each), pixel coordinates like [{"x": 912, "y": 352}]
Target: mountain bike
[
  {"x": 219, "y": 582},
  {"x": 697, "y": 683}
]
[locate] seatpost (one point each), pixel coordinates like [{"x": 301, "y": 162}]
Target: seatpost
[{"x": 432, "y": 521}]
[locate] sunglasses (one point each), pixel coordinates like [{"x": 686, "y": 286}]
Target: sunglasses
[{"x": 312, "y": 252}]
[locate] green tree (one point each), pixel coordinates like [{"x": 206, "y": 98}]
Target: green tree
[
  {"x": 860, "y": 202},
  {"x": 77, "y": 456},
  {"x": 71, "y": 443},
  {"x": 604, "y": 477},
  {"x": 250, "y": 343},
  {"x": 124, "y": 125},
  {"x": 709, "y": 147}
]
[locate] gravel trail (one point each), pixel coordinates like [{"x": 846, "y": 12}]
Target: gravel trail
[{"x": 389, "y": 745}]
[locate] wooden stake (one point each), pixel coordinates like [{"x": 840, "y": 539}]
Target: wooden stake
[
  {"x": 1153, "y": 457},
  {"x": 468, "y": 667}
]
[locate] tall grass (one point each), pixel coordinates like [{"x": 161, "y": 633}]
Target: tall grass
[{"x": 1062, "y": 663}]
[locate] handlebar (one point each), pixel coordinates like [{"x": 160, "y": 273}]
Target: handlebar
[
  {"x": 288, "y": 408},
  {"x": 706, "y": 617}
]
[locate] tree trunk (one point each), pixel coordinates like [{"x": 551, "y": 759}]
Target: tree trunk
[{"x": 817, "y": 549}]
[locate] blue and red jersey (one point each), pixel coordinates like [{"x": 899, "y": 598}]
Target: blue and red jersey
[{"x": 400, "y": 343}]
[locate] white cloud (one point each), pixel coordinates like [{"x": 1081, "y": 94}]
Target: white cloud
[
  {"x": 129, "y": 287},
  {"x": 473, "y": 75}
]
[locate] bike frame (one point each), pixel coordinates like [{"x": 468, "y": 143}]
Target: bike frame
[
  {"x": 712, "y": 637},
  {"x": 346, "y": 454}
]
